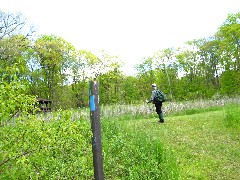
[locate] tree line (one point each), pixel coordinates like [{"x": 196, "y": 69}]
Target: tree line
[{"x": 48, "y": 66}]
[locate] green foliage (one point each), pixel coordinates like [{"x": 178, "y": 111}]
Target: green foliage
[
  {"x": 131, "y": 153},
  {"x": 229, "y": 42},
  {"x": 145, "y": 77},
  {"x": 230, "y": 81},
  {"x": 58, "y": 145},
  {"x": 55, "y": 148},
  {"x": 13, "y": 49},
  {"x": 54, "y": 55},
  {"x": 131, "y": 92},
  {"x": 110, "y": 87},
  {"x": 13, "y": 97},
  {"x": 232, "y": 118}
]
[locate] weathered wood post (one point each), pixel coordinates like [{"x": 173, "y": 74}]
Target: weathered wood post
[{"x": 96, "y": 130}]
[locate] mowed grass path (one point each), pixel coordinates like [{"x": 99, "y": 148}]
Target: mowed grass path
[{"x": 202, "y": 145}]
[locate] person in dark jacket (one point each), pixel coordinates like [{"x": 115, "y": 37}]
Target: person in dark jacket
[{"x": 158, "y": 104}]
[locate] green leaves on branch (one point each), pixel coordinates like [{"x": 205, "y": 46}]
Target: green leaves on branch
[
  {"x": 42, "y": 149},
  {"x": 13, "y": 98}
]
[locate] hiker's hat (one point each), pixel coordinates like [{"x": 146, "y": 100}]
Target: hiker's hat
[{"x": 154, "y": 85}]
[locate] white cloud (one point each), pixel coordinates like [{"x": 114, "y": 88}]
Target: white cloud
[{"x": 130, "y": 28}]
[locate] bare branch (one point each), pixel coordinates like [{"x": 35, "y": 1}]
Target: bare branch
[{"x": 11, "y": 24}]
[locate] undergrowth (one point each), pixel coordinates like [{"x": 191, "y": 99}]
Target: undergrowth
[
  {"x": 131, "y": 153},
  {"x": 35, "y": 148},
  {"x": 58, "y": 145}
]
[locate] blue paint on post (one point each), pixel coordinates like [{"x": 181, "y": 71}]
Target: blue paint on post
[{"x": 92, "y": 103}]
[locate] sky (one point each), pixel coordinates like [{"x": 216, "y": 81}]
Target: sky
[{"x": 130, "y": 29}]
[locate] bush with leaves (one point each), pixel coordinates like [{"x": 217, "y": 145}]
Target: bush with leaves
[
  {"x": 46, "y": 148},
  {"x": 13, "y": 97}
]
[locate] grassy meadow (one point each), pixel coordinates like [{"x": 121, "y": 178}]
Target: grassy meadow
[
  {"x": 199, "y": 140},
  {"x": 196, "y": 143}
]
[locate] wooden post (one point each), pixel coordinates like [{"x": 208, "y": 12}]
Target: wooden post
[{"x": 96, "y": 130}]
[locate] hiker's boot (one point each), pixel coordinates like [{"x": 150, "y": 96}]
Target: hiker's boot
[{"x": 161, "y": 120}]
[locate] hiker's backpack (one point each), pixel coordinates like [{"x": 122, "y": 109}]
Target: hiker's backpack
[{"x": 160, "y": 96}]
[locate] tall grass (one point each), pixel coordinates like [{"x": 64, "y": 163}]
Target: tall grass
[
  {"x": 145, "y": 110},
  {"x": 232, "y": 118},
  {"x": 131, "y": 153}
]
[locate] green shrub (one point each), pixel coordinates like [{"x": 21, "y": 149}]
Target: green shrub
[
  {"x": 35, "y": 148},
  {"x": 13, "y": 98}
]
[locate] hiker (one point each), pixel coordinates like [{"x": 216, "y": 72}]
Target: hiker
[{"x": 158, "y": 102}]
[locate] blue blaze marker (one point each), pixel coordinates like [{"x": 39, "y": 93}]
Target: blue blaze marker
[{"x": 92, "y": 103}]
